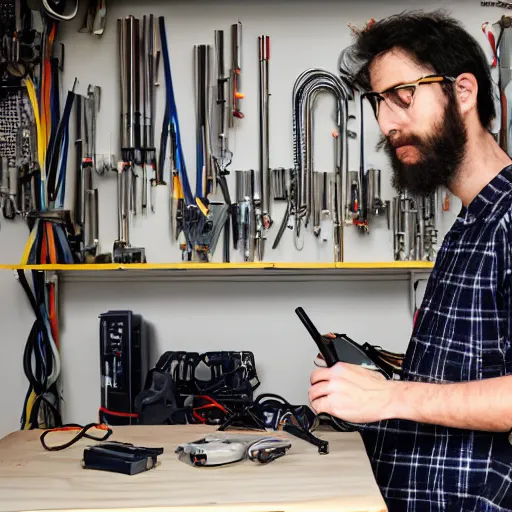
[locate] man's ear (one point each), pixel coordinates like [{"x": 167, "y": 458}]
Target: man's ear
[{"x": 466, "y": 90}]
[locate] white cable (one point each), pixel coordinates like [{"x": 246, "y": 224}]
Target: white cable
[{"x": 67, "y": 16}]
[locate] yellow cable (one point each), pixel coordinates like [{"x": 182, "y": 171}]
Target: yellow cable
[
  {"x": 30, "y": 242},
  {"x": 30, "y": 404},
  {"x": 41, "y": 147}
]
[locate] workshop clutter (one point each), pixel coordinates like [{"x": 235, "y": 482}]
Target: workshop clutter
[{"x": 174, "y": 394}]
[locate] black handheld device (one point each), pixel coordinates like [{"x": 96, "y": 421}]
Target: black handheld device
[
  {"x": 324, "y": 344},
  {"x": 343, "y": 349}
]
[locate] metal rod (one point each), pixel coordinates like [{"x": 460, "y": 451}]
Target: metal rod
[
  {"x": 236, "y": 72},
  {"x": 204, "y": 172},
  {"x": 264, "y": 167}
]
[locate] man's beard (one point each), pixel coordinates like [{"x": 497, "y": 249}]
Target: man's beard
[{"x": 440, "y": 155}]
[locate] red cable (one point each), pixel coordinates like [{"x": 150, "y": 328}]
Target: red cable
[{"x": 122, "y": 414}]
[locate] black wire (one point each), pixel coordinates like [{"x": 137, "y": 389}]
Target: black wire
[
  {"x": 82, "y": 433},
  {"x": 39, "y": 402},
  {"x": 39, "y": 351}
]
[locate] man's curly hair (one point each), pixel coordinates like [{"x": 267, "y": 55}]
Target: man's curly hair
[{"x": 434, "y": 40}]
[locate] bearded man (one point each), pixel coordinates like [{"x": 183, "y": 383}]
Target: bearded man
[{"x": 438, "y": 438}]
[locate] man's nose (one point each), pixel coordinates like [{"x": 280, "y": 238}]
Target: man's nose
[{"x": 391, "y": 120}]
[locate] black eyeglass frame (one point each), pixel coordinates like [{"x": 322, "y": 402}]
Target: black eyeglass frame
[{"x": 374, "y": 98}]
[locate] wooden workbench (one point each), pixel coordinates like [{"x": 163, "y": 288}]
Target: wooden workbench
[{"x": 32, "y": 478}]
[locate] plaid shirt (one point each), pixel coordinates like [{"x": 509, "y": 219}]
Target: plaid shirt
[{"x": 462, "y": 332}]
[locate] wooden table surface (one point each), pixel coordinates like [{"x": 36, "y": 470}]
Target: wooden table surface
[{"x": 33, "y": 479}]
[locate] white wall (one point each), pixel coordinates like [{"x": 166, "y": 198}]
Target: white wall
[{"x": 195, "y": 316}]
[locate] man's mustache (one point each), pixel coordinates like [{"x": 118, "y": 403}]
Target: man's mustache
[{"x": 396, "y": 142}]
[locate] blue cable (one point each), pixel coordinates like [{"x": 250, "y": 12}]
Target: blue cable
[
  {"x": 64, "y": 244},
  {"x": 180, "y": 160},
  {"x": 61, "y": 180}
]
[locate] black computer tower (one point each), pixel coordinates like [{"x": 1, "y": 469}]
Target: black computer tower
[{"x": 124, "y": 359}]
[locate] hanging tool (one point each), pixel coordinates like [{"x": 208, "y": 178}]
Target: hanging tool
[
  {"x": 262, "y": 184},
  {"x": 322, "y": 226},
  {"x": 291, "y": 195},
  {"x": 246, "y": 215},
  {"x": 415, "y": 227},
  {"x": 376, "y": 206},
  {"x": 86, "y": 200},
  {"x": 123, "y": 252},
  {"x": 131, "y": 159},
  {"x": 205, "y": 178},
  {"x": 404, "y": 223},
  {"x": 150, "y": 60},
  {"x": 223, "y": 156},
  {"x": 306, "y": 88},
  {"x": 8, "y": 188},
  {"x": 236, "y": 72},
  {"x": 200, "y": 221},
  {"x": 336, "y": 196},
  {"x": 95, "y": 18},
  {"x": 129, "y": 51}
]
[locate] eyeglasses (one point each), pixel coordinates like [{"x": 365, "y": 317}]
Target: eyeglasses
[{"x": 402, "y": 95}]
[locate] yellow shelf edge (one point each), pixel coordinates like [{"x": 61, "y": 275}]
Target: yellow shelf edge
[
  {"x": 386, "y": 264},
  {"x": 354, "y": 265}
]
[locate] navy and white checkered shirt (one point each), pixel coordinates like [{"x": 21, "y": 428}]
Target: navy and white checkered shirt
[{"x": 462, "y": 332}]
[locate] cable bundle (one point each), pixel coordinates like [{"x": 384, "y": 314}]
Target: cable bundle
[
  {"x": 48, "y": 241},
  {"x": 41, "y": 360}
]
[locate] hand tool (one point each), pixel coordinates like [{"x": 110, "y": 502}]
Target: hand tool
[
  {"x": 376, "y": 206},
  {"x": 205, "y": 178},
  {"x": 150, "y": 55},
  {"x": 404, "y": 221},
  {"x": 291, "y": 212},
  {"x": 360, "y": 214},
  {"x": 100, "y": 15},
  {"x": 223, "y": 156},
  {"x": 322, "y": 227},
  {"x": 123, "y": 252},
  {"x": 261, "y": 197},
  {"x": 337, "y": 194},
  {"x": 198, "y": 218},
  {"x": 246, "y": 215},
  {"x": 128, "y": 168},
  {"x": 236, "y": 72},
  {"x": 8, "y": 189}
]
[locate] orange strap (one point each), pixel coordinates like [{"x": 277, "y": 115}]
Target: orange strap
[
  {"x": 51, "y": 243},
  {"x": 52, "y": 314}
]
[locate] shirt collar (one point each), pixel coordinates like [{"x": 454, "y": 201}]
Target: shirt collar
[{"x": 484, "y": 204}]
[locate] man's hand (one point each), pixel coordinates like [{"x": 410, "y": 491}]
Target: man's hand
[{"x": 351, "y": 393}]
